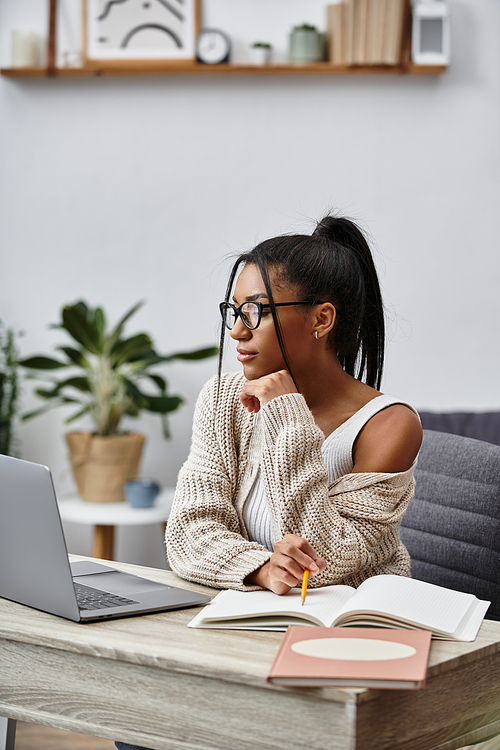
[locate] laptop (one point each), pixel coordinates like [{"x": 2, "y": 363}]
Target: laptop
[{"x": 34, "y": 565}]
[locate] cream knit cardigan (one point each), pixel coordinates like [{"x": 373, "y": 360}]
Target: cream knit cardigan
[{"x": 353, "y": 523}]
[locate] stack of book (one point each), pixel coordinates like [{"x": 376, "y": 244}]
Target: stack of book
[{"x": 366, "y": 32}]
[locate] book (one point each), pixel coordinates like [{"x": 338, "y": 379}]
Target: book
[
  {"x": 360, "y": 31},
  {"x": 388, "y": 601},
  {"x": 335, "y": 25},
  {"x": 352, "y": 657},
  {"x": 375, "y": 33},
  {"x": 393, "y": 34},
  {"x": 347, "y": 31}
]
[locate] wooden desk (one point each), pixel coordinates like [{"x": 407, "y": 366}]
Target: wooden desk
[
  {"x": 105, "y": 516},
  {"x": 151, "y": 681}
]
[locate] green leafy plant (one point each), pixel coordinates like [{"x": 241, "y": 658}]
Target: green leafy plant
[
  {"x": 107, "y": 371},
  {"x": 9, "y": 387},
  {"x": 305, "y": 27},
  {"x": 261, "y": 45}
]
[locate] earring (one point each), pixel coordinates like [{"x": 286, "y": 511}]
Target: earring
[{"x": 316, "y": 334}]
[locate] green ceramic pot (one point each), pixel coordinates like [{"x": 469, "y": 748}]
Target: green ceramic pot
[{"x": 306, "y": 46}]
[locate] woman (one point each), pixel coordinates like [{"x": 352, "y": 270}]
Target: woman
[{"x": 297, "y": 463}]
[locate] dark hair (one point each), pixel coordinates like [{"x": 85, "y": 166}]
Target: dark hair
[{"x": 335, "y": 265}]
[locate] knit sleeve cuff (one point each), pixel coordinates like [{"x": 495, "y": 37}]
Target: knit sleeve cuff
[
  {"x": 288, "y": 410},
  {"x": 234, "y": 572}
]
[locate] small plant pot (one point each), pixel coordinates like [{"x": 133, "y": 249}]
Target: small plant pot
[
  {"x": 260, "y": 55},
  {"x": 306, "y": 46},
  {"x": 102, "y": 465},
  {"x": 141, "y": 493}
]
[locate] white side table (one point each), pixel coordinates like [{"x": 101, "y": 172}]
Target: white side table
[{"x": 105, "y": 516}]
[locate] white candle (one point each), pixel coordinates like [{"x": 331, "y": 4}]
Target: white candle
[{"x": 24, "y": 49}]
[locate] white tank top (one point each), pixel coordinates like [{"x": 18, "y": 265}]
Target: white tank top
[{"x": 337, "y": 456}]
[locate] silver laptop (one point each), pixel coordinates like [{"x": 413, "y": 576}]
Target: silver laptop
[{"x": 34, "y": 565}]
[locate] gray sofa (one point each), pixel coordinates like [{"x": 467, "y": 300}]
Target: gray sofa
[{"x": 452, "y": 526}]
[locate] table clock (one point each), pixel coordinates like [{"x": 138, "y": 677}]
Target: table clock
[{"x": 213, "y": 47}]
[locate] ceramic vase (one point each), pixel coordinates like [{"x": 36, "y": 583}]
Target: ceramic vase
[{"x": 306, "y": 46}]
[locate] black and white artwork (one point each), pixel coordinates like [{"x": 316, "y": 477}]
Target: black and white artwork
[{"x": 140, "y": 29}]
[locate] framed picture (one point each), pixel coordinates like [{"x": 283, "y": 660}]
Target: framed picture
[{"x": 115, "y": 30}]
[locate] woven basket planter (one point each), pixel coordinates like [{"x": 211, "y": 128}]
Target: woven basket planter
[{"x": 102, "y": 465}]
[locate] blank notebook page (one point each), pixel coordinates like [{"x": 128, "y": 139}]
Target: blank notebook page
[
  {"x": 322, "y": 603},
  {"x": 428, "y": 605}
]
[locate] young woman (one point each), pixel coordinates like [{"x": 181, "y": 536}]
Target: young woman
[{"x": 300, "y": 461}]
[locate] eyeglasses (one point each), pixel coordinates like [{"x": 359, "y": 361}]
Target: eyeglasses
[{"x": 249, "y": 312}]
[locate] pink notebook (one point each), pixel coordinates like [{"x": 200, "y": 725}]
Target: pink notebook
[{"x": 352, "y": 657}]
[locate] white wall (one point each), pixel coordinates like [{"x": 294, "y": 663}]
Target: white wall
[{"x": 115, "y": 190}]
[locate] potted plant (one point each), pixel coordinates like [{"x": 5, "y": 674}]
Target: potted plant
[
  {"x": 104, "y": 377},
  {"x": 9, "y": 388},
  {"x": 306, "y": 44},
  {"x": 261, "y": 53}
]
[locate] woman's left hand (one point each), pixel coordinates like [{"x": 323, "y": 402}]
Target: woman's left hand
[{"x": 257, "y": 393}]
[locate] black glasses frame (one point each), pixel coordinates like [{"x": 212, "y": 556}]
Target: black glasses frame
[{"x": 225, "y": 306}]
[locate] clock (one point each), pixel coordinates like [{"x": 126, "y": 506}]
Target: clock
[{"x": 213, "y": 47}]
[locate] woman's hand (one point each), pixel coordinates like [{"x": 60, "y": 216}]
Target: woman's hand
[
  {"x": 256, "y": 393},
  {"x": 285, "y": 568}
]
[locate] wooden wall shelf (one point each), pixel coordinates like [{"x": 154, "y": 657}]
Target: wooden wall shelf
[
  {"x": 196, "y": 69},
  {"x": 191, "y": 68}
]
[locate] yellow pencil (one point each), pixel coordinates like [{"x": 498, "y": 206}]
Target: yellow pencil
[{"x": 304, "y": 586}]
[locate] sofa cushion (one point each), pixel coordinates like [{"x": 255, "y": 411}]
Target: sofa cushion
[
  {"x": 452, "y": 526},
  {"x": 479, "y": 425}
]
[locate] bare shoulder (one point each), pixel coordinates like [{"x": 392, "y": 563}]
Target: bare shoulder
[{"x": 389, "y": 442}]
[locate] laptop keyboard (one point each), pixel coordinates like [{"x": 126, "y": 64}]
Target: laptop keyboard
[{"x": 89, "y": 598}]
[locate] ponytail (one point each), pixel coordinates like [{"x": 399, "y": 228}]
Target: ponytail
[{"x": 360, "y": 331}]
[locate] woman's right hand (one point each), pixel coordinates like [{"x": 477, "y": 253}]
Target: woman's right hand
[
  {"x": 285, "y": 568},
  {"x": 257, "y": 393}
]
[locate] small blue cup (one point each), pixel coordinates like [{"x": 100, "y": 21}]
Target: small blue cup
[{"x": 141, "y": 493}]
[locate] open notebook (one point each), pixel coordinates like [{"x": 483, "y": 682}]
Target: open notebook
[{"x": 384, "y": 601}]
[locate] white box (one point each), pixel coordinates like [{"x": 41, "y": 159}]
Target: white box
[{"x": 430, "y": 38}]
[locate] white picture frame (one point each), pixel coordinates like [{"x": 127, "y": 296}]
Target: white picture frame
[{"x": 125, "y": 30}]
